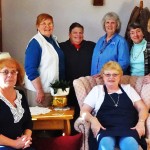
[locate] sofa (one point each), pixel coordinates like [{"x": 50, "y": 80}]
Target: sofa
[{"x": 82, "y": 87}]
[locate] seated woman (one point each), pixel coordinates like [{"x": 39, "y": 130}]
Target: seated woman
[
  {"x": 140, "y": 52},
  {"x": 120, "y": 113},
  {"x": 15, "y": 117}
]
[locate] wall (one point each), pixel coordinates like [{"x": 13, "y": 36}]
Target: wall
[{"x": 18, "y": 19}]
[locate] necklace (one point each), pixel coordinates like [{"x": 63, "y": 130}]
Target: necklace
[
  {"x": 115, "y": 103},
  {"x": 134, "y": 57}
]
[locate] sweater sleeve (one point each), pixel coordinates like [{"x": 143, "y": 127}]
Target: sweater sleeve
[{"x": 32, "y": 59}]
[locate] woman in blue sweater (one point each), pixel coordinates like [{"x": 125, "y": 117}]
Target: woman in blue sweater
[{"x": 44, "y": 62}]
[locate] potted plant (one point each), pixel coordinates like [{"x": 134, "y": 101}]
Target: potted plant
[
  {"x": 60, "y": 88},
  {"x": 59, "y": 91}
]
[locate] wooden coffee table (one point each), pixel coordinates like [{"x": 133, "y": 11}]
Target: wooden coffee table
[{"x": 54, "y": 120}]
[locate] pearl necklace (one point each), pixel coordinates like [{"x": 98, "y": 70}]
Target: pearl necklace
[{"x": 115, "y": 103}]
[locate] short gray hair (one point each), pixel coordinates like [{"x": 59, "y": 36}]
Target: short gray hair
[{"x": 114, "y": 16}]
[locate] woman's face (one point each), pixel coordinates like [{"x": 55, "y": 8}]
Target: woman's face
[
  {"x": 110, "y": 26},
  {"x": 111, "y": 77},
  {"x": 136, "y": 35},
  {"x": 8, "y": 77},
  {"x": 46, "y": 27},
  {"x": 76, "y": 36}
]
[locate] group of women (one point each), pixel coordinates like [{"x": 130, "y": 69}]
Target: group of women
[
  {"x": 77, "y": 57},
  {"x": 46, "y": 60}
]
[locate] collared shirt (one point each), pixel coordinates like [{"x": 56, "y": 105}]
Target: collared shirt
[{"x": 116, "y": 49}]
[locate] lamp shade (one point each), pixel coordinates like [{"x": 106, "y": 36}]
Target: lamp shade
[{"x": 4, "y": 55}]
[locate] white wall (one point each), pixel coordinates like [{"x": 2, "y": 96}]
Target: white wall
[{"x": 19, "y": 16}]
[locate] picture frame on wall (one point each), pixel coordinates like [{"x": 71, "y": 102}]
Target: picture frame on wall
[{"x": 98, "y": 2}]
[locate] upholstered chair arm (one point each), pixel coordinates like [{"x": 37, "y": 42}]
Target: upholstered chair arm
[
  {"x": 148, "y": 127},
  {"x": 83, "y": 126},
  {"x": 148, "y": 132}
]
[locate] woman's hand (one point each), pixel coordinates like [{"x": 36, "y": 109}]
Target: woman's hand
[
  {"x": 146, "y": 79},
  {"x": 39, "y": 90},
  {"x": 27, "y": 140},
  {"x": 96, "y": 126},
  {"x": 40, "y": 96},
  {"x": 22, "y": 142},
  {"x": 140, "y": 127},
  {"x": 19, "y": 143}
]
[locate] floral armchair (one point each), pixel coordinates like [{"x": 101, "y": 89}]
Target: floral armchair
[{"x": 82, "y": 87}]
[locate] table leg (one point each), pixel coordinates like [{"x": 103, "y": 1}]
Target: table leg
[{"x": 67, "y": 127}]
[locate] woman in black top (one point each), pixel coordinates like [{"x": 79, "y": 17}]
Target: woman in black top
[
  {"x": 78, "y": 55},
  {"x": 15, "y": 117}
]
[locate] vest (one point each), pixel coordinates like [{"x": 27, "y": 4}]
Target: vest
[{"x": 48, "y": 68}]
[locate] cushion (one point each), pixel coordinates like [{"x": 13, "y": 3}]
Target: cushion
[{"x": 58, "y": 143}]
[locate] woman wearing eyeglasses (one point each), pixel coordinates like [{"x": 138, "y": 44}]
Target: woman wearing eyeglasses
[
  {"x": 119, "y": 113},
  {"x": 111, "y": 46},
  {"x": 44, "y": 62},
  {"x": 15, "y": 117}
]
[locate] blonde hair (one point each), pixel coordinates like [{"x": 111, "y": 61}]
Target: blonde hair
[
  {"x": 112, "y": 65},
  {"x": 11, "y": 62}
]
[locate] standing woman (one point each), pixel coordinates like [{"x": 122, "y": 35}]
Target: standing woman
[
  {"x": 44, "y": 62},
  {"x": 15, "y": 117},
  {"x": 111, "y": 46},
  {"x": 140, "y": 52},
  {"x": 78, "y": 55}
]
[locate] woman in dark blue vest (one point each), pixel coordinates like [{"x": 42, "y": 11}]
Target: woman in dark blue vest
[{"x": 120, "y": 114}]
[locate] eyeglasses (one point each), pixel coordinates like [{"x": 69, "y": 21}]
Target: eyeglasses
[
  {"x": 6, "y": 72},
  {"x": 109, "y": 75},
  {"x": 48, "y": 24}
]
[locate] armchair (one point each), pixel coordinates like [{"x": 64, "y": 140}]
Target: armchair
[{"x": 82, "y": 87}]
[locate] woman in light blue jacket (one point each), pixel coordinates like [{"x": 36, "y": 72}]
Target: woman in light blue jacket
[{"x": 111, "y": 46}]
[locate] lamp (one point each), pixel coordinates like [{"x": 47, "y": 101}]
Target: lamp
[{"x": 4, "y": 55}]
